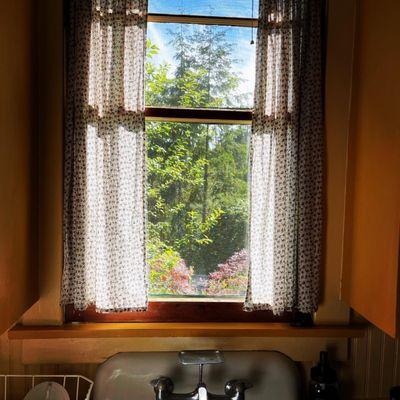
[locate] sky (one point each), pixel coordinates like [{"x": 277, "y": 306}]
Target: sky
[
  {"x": 239, "y": 36},
  {"x": 221, "y": 8}
]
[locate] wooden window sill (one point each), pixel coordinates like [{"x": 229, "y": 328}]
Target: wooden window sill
[{"x": 203, "y": 329}]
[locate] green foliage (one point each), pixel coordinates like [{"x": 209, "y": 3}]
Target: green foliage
[
  {"x": 197, "y": 173},
  {"x": 168, "y": 272}
]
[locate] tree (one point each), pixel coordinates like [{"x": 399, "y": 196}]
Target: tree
[{"x": 197, "y": 173}]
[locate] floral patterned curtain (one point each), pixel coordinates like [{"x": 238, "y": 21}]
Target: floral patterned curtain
[
  {"x": 104, "y": 177},
  {"x": 286, "y": 171}
]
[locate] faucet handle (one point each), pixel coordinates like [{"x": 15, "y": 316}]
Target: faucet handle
[{"x": 235, "y": 388}]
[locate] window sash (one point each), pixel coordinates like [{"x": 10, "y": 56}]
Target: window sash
[
  {"x": 202, "y": 20},
  {"x": 200, "y": 115}
]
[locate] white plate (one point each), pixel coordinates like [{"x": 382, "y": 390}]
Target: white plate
[{"x": 47, "y": 391}]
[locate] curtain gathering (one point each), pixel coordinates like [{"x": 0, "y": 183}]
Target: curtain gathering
[
  {"x": 286, "y": 166},
  {"x": 104, "y": 182}
]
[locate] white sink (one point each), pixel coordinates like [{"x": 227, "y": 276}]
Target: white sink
[{"x": 127, "y": 376}]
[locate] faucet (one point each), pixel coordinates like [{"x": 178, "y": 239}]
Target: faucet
[{"x": 234, "y": 389}]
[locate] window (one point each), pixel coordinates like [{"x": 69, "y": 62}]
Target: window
[
  {"x": 200, "y": 73},
  {"x": 197, "y": 209},
  {"x": 198, "y": 79},
  {"x": 197, "y": 170}
]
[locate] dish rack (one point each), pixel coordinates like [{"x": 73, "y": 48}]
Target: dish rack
[{"x": 77, "y": 386}]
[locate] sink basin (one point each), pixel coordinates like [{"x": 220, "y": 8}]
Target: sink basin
[{"x": 128, "y": 375}]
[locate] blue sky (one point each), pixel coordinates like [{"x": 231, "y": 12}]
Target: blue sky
[
  {"x": 244, "y": 52},
  {"x": 223, "y": 8}
]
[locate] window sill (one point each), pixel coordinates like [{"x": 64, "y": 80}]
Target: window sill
[{"x": 204, "y": 329}]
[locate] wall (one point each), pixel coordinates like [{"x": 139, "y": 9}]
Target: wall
[
  {"x": 18, "y": 283},
  {"x": 50, "y": 128},
  {"x": 339, "y": 56},
  {"x": 373, "y": 366}
]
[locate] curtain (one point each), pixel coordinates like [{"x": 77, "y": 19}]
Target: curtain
[
  {"x": 104, "y": 177},
  {"x": 286, "y": 159}
]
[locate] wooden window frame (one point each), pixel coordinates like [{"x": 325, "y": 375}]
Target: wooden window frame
[
  {"x": 202, "y": 20},
  {"x": 175, "y": 310},
  {"x": 200, "y": 115}
]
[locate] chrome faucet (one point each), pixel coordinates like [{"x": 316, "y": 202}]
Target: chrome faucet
[{"x": 234, "y": 389}]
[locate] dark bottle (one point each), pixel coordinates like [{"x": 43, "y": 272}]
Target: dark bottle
[
  {"x": 395, "y": 393},
  {"x": 324, "y": 384}
]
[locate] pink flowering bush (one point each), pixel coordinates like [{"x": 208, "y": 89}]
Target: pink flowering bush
[
  {"x": 230, "y": 278},
  {"x": 168, "y": 272}
]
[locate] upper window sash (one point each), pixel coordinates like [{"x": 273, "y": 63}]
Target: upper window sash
[{"x": 203, "y": 20}]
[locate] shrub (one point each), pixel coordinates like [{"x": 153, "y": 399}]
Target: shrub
[
  {"x": 168, "y": 271},
  {"x": 230, "y": 278}
]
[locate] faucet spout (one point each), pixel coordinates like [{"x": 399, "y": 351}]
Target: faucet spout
[
  {"x": 164, "y": 387},
  {"x": 202, "y": 392}
]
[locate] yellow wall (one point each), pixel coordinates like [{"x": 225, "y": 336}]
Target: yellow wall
[
  {"x": 18, "y": 283},
  {"x": 50, "y": 128},
  {"x": 337, "y": 108}
]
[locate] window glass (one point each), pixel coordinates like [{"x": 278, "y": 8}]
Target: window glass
[
  {"x": 199, "y": 66},
  {"x": 197, "y": 209},
  {"x": 220, "y": 8}
]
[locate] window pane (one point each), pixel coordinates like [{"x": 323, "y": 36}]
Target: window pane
[
  {"x": 197, "y": 209},
  {"x": 199, "y": 66},
  {"x": 220, "y": 8}
]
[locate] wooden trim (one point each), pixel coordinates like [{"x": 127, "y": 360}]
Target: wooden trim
[
  {"x": 177, "y": 311},
  {"x": 199, "y": 115},
  {"x": 203, "y": 20},
  {"x": 96, "y": 350},
  {"x": 210, "y": 329}
]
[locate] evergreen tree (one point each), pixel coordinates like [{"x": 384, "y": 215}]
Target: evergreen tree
[{"x": 197, "y": 173}]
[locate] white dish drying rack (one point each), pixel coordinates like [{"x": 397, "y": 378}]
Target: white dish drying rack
[{"x": 78, "y": 386}]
